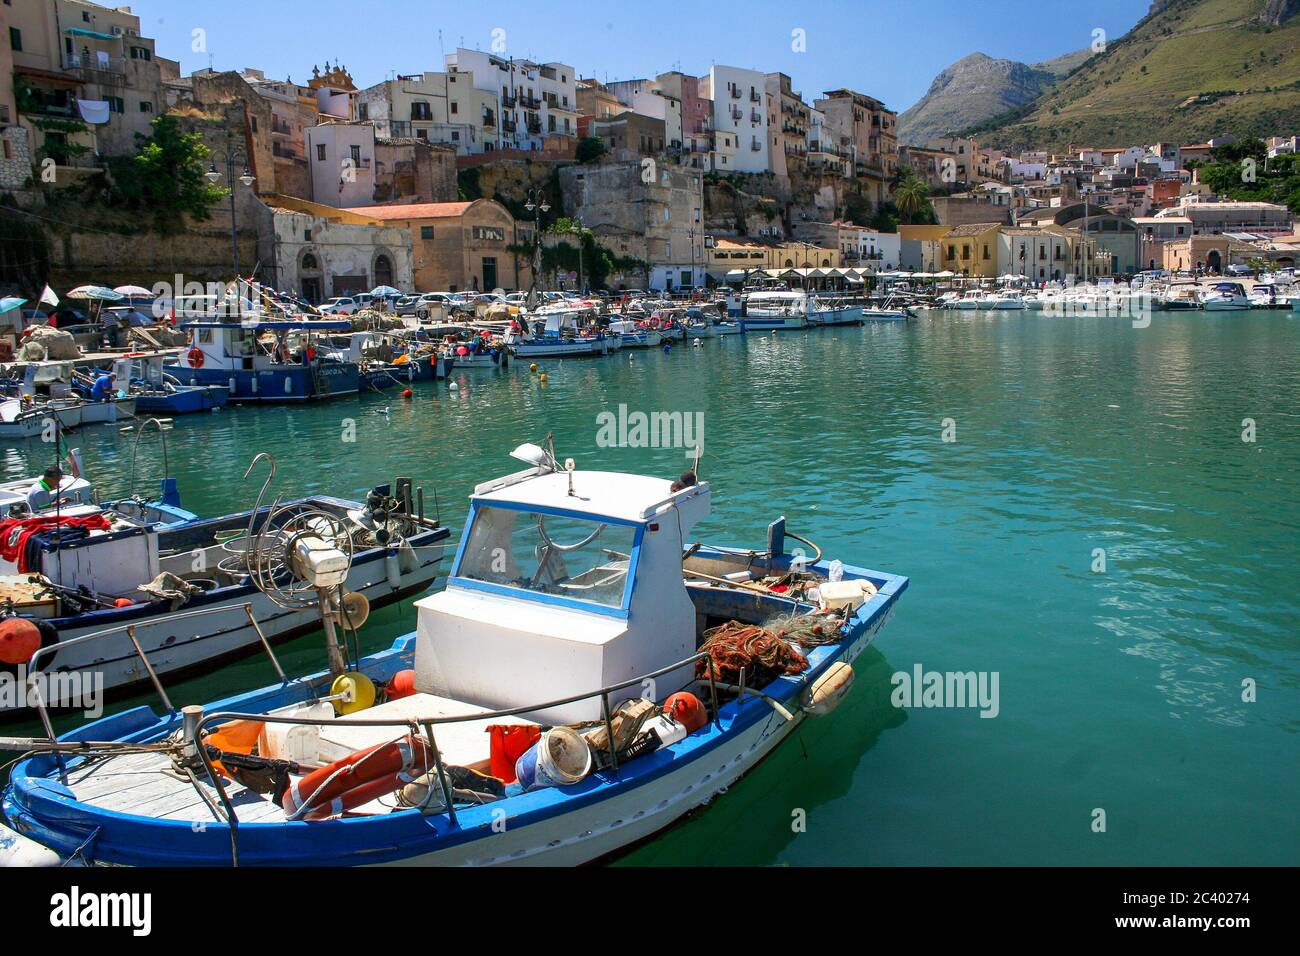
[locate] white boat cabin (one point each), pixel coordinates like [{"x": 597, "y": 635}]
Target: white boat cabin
[{"x": 565, "y": 582}]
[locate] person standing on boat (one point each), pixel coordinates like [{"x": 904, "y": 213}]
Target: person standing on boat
[
  {"x": 103, "y": 388},
  {"x": 45, "y": 491}
]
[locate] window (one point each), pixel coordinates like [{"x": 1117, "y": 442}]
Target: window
[
  {"x": 557, "y": 556},
  {"x": 363, "y": 111},
  {"x": 309, "y": 262},
  {"x": 306, "y": 235},
  {"x": 986, "y": 250},
  {"x": 141, "y": 53},
  {"x": 320, "y": 153},
  {"x": 254, "y": 119},
  {"x": 16, "y": 39},
  {"x": 426, "y": 232},
  {"x": 355, "y": 152},
  {"x": 116, "y": 104},
  {"x": 422, "y": 111},
  {"x": 146, "y": 106}
]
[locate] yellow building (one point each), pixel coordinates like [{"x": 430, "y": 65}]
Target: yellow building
[
  {"x": 971, "y": 250},
  {"x": 728, "y": 255}
]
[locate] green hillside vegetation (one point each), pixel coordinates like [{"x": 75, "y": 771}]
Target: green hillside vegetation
[
  {"x": 1195, "y": 69},
  {"x": 1229, "y": 174}
]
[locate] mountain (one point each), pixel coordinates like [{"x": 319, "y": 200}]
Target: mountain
[
  {"x": 974, "y": 89},
  {"x": 1189, "y": 70}
]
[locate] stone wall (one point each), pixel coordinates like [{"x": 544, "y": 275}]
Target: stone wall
[
  {"x": 16, "y": 169},
  {"x": 199, "y": 253}
]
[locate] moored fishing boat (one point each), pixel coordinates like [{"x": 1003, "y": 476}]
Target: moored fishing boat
[
  {"x": 233, "y": 354},
  {"x": 778, "y": 310},
  {"x": 100, "y": 582},
  {"x": 584, "y": 676}
]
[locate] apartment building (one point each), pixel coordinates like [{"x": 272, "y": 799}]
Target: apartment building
[
  {"x": 341, "y": 157},
  {"x": 534, "y": 102},
  {"x": 788, "y": 120},
  {"x": 742, "y": 143},
  {"x": 864, "y": 127},
  {"x": 85, "y": 81},
  {"x": 437, "y": 107}
]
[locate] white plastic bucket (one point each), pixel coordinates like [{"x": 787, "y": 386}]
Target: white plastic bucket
[{"x": 560, "y": 758}]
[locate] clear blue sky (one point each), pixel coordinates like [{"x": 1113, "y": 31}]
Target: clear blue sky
[{"x": 891, "y": 50}]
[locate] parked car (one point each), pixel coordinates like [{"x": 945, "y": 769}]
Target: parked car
[
  {"x": 451, "y": 301},
  {"x": 340, "y": 305}
]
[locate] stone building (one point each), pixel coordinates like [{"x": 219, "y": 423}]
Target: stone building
[
  {"x": 864, "y": 127},
  {"x": 321, "y": 252},
  {"x": 459, "y": 246},
  {"x": 660, "y": 203}
]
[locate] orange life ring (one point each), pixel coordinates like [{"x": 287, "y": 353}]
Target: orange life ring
[
  {"x": 357, "y": 778},
  {"x": 194, "y": 357}
]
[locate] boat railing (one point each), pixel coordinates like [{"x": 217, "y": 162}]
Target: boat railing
[
  {"x": 37, "y": 660},
  {"x": 428, "y": 724}
]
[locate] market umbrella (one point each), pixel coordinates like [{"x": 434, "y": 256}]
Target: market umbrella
[
  {"x": 95, "y": 293},
  {"x": 10, "y": 302},
  {"x": 135, "y": 292},
  {"x": 384, "y": 291}
]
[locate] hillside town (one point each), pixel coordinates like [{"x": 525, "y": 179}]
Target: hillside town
[{"x": 338, "y": 184}]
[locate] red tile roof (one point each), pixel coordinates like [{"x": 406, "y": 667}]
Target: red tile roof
[{"x": 421, "y": 210}]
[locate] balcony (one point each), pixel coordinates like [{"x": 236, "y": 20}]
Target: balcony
[
  {"x": 101, "y": 70},
  {"x": 534, "y": 127},
  {"x": 509, "y": 125},
  {"x": 736, "y": 114},
  {"x": 755, "y": 96},
  {"x": 530, "y": 102},
  {"x": 507, "y": 102},
  {"x": 755, "y": 116},
  {"x": 755, "y": 147},
  {"x": 735, "y": 93}
]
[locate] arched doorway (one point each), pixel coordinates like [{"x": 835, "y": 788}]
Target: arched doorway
[
  {"x": 383, "y": 270},
  {"x": 1214, "y": 261},
  {"x": 309, "y": 278}
]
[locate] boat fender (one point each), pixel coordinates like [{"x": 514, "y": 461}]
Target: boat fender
[
  {"x": 828, "y": 691},
  {"x": 354, "y": 609},
  {"x": 357, "y": 778},
  {"x": 393, "y": 569},
  {"x": 354, "y": 691},
  {"x": 402, "y": 685},
  {"x": 686, "y": 708},
  {"x": 17, "y": 850}
]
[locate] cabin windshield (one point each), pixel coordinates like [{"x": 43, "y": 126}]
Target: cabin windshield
[{"x": 578, "y": 559}]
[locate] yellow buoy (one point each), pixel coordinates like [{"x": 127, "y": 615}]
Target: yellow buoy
[
  {"x": 533, "y": 368},
  {"x": 358, "y": 692},
  {"x": 542, "y": 378}
]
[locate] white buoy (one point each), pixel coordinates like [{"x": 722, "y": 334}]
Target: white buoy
[
  {"x": 453, "y": 387},
  {"x": 697, "y": 343}
]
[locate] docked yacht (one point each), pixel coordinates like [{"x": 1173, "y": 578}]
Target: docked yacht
[
  {"x": 586, "y": 678},
  {"x": 766, "y": 311},
  {"x": 1225, "y": 297}
]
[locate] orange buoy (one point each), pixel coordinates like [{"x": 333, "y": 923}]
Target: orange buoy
[
  {"x": 402, "y": 685},
  {"x": 407, "y": 393},
  {"x": 19, "y": 640},
  {"x": 123, "y": 602},
  {"x": 195, "y": 357},
  {"x": 686, "y": 709}
]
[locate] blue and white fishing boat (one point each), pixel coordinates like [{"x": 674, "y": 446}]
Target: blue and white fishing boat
[
  {"x": 233, "y": 354},
  {"x": 577, "y": 623},
  {"x": 557, "y": 337},
  {"x": 116, "y": 582},
  {"x": 158, "y": 392},
  {"x": 832, "y": 310},
  {"x": 635, "y": 336},
  {"x": 782, "y": 310}
]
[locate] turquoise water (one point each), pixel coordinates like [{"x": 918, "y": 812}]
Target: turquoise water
[{"x": 1119, "y": 691}]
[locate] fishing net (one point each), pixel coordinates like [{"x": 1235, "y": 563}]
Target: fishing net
[
  {"x": 762, "y": 654},
  {"x": 806, "y": 630}
]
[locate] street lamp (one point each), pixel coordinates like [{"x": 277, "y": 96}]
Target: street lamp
[
  {"x": 231, "y": 157},
  {"x": 537, "y": 205}
]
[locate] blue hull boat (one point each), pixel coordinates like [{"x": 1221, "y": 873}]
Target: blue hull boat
[
  {"x": 182, "y": 400},
  {"x": 418, "y": 776}
]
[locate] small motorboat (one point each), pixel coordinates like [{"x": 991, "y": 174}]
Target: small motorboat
[
  {"x": 1225, "y": 297},
  {"x": 587, "y": 675}
]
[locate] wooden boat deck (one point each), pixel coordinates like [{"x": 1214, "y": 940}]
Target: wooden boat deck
[{"x": 146, "y": 784}]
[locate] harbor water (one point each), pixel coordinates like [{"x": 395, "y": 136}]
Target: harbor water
[{"x": 1099, "y": 521}]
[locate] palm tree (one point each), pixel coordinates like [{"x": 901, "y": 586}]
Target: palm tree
[{"x": 911, "y": 196}]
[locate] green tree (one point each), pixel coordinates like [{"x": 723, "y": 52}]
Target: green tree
[
  {"x": 590, "y": 149},
  {"x": 911, "y": 196},
  {"x": 168, "y": 175}
]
